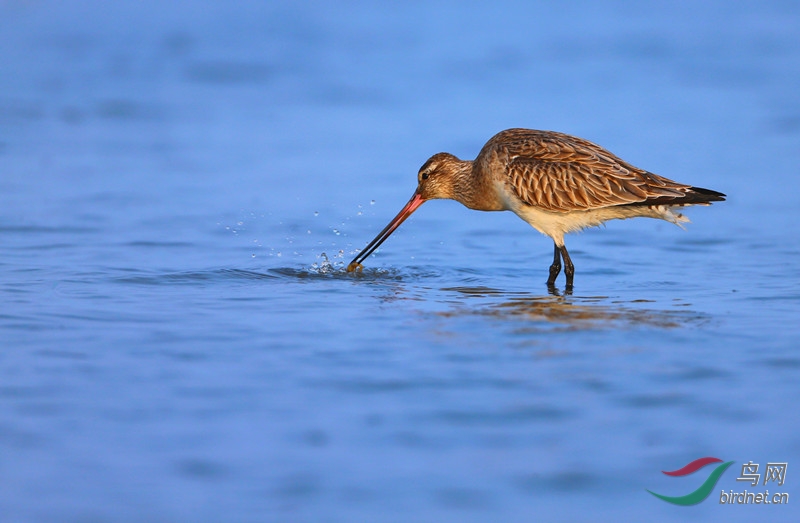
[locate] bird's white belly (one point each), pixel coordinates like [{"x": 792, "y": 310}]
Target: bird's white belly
[{"x": 557, "y": 224}]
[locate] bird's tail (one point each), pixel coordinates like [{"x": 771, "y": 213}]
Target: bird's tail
[
  {"x": 665, "y": 207},
  {"x": 698, "y": 195},
  {"x": 686, "y": 196}
]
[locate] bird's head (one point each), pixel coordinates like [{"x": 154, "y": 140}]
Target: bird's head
[{"x": 436, "y": 177}]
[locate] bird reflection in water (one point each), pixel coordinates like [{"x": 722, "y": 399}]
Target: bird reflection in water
[{"x": 571, "y": 312}]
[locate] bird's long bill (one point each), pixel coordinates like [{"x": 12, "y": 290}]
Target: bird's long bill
[{"x": 404, "y": 213}]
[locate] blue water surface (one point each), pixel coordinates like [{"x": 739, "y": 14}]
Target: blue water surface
[{"x": 183, "y": 183}]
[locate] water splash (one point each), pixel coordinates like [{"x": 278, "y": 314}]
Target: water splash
[{"x": 325, "y": 266}]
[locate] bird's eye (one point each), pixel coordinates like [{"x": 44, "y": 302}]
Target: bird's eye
[{"x": 425, "y": 176}]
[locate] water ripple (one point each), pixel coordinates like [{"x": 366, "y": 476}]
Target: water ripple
[
  {"x": 494, "y": 418},
  {"x": 193, "y": 277}
]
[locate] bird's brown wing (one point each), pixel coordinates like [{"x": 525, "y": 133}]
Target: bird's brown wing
[{"x": 562, "y": 173}]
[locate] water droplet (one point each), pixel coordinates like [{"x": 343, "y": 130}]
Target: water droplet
[
  {"x": 316, "y": 213},
  {"x": 336, "y": 232},
  {"x": 372, "y": 202}
]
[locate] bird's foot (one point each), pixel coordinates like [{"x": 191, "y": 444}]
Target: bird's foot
[{"x": 555, "y": 291}]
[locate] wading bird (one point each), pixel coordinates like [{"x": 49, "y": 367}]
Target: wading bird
[{"x": 556, "y": 182}]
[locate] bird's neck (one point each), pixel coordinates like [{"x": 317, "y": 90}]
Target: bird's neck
[{"x": 474, "y": 190}]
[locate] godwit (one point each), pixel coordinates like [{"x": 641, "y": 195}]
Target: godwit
[{"x": 556, "y": 182}]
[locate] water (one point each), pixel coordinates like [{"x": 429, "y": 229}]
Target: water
[{"x": 182, "y": 185}]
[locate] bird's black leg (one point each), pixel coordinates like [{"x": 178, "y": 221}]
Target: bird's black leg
[
  {"x": 569, "y": 269},
  {"x": 555, "y": 269}
]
